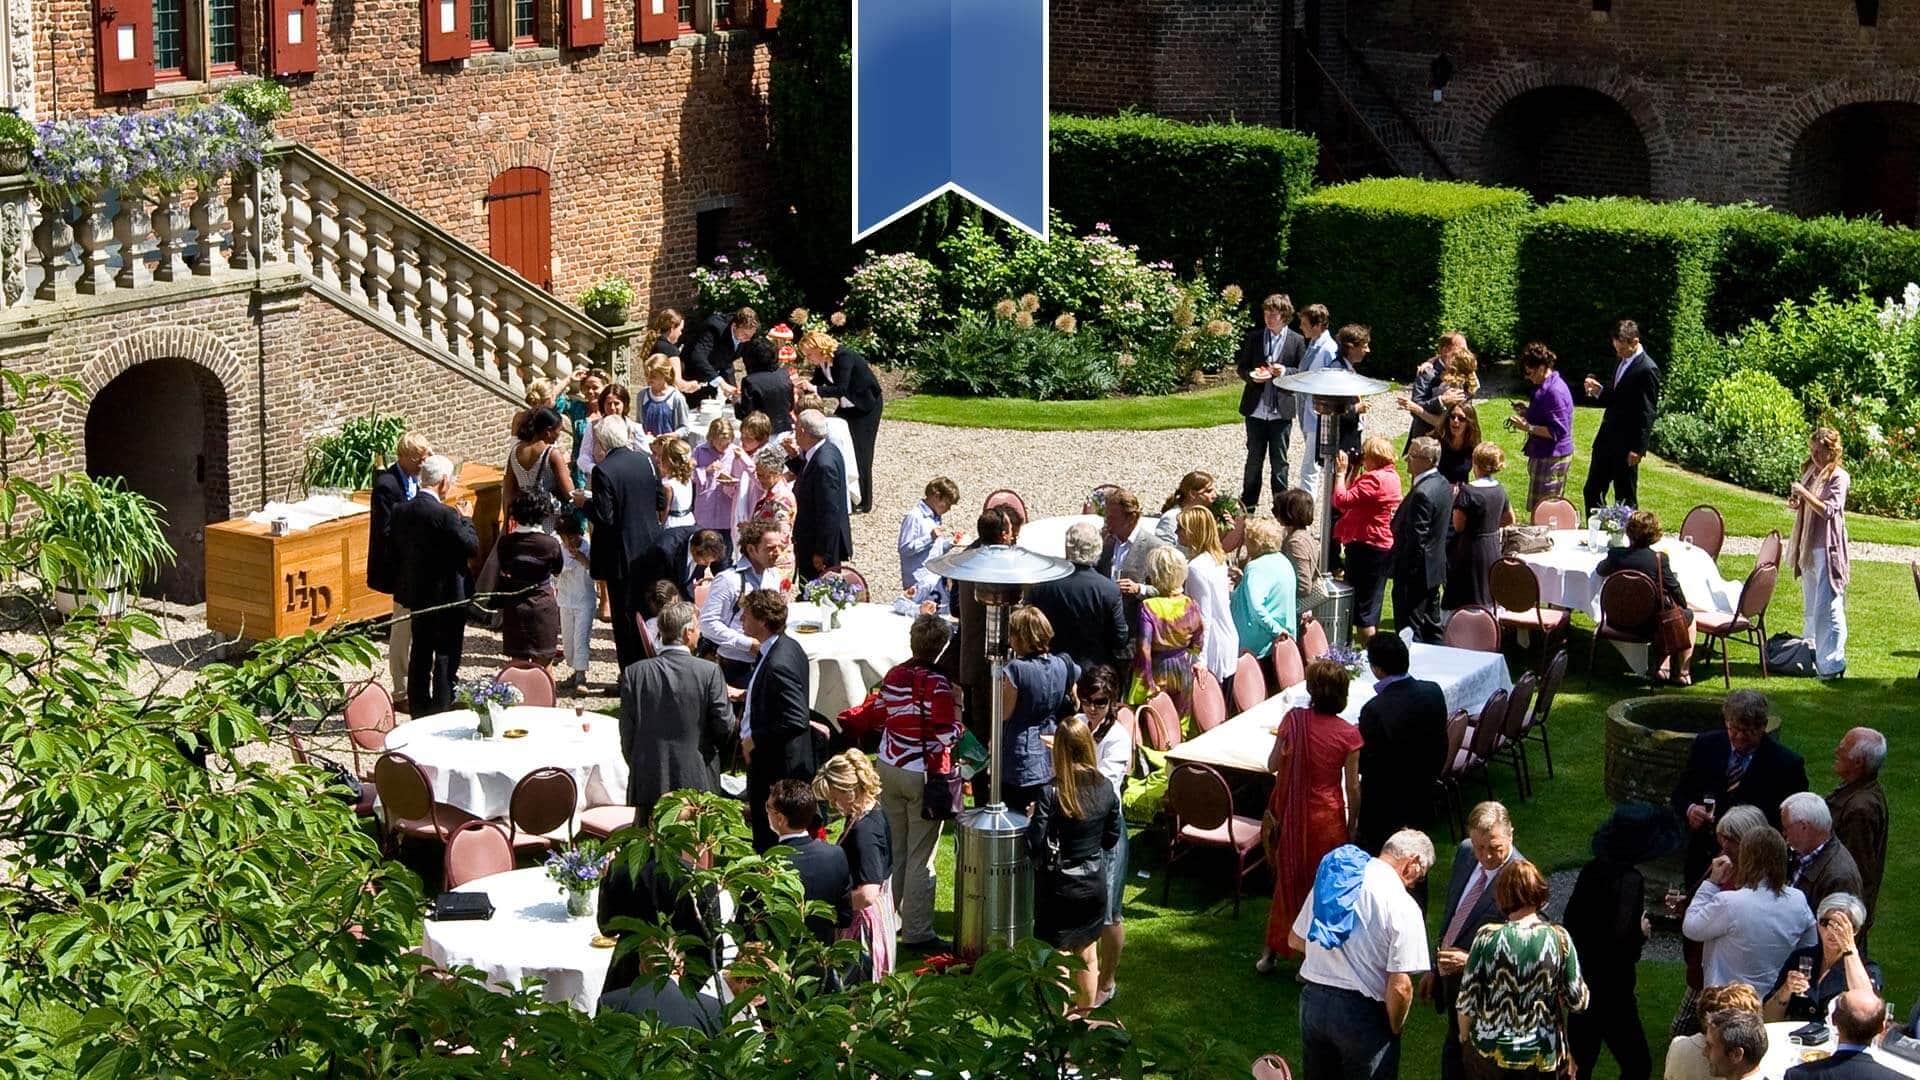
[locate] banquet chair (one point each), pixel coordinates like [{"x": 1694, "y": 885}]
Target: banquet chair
[
  {"x": 1289, "y": 668},
  {"x": 1102, "y": 491},
  {"x": 1129, "y": 722},
  {"x": 1516, "y": 603},
  {"x": 1313, "y": 641},
  {"x": 1009, "y": 498},
  {"x": 297, "y": 746},
  {"x": 1543, "y": 705},
  {"x": 407, "y": 795},
  {"x": 1199, "y": 803},
  {"x": 1770, "y": 546},
  {"x": 1746, "y": 622},
  {"x": 369, "y": 718},
  {"x": 475, "y": 850},
  {"x": 1628, "y": 598},
  {"x": 1513, "y": 732},
  {"x": 1556, "y": 514},
  {"x": 1271, "y": 1067},
  {"x": 1160, "y": 723},
  {"x": 1249, "y": 683},
  {"x": 1483, "y": 741},
  {"x": 542, "y": 802},
  {"x": 1705, "y": 529},
  {"x": 1446, "y": 785},
  {"x": 534, "y": 683},
  {"x": 1209, "y": 703},
  {"x": 600, "y": 822},
  {"x": 855, "y": 578},
  {"x": 1473, "y": 628}
]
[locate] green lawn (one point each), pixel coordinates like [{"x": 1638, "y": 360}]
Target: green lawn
[
  {"x": 1188, "y": 965},
  {"x": 1202, "y": 408}
]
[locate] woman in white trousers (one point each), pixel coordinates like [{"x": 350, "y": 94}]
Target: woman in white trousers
[{"x": 1818, "y": 551}]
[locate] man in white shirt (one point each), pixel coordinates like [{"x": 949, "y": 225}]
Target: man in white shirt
[
  {"x": 1129, "y": 540},
  {"x": 762, "y": 543},
  {"x": 1363, "y": 945},
  {"x": 1316, "y": 326},
  {"x": 1736, "y": 1043},
  {"x": 921, "y": 537}
]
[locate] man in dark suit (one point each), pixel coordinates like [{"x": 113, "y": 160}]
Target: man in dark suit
[
  {"x": 711, "y": 355},
  {"x": 1420, "y": 543},
  {"x": 1089, "y": 621},
  {"x": 666, "y": 1003},
  {"x": 1739, "y": 765},
  {"x": 1859, "y": 1016},
  {"x": 625, "y": 507},
  {"x": 393, "y": 485},
  {"x": 1426, "y": 394},
  {"x": 1859, "y": 809},
  {"x": 822, "y": 531},
  {"x": 766, "y": 388},
  {"x": 686, "y": 556},
  {"x": 674, "y": 716},
  {"x": 433, "y": 542},
  {"x": 1822, "y": 865},
  {"x": 790, "y": 808},
  {"x": 1631, "y": 398},
  {"x": 1404, "y": 726},
  {"x": 840, "y": 372},
  {"x": 1268, "y": 352},
  {"x": 776, "y": 726},
  {"x": 1470, "y": 905}
]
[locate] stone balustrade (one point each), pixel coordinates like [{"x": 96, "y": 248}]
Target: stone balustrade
[{"x": 297, "y": 211}]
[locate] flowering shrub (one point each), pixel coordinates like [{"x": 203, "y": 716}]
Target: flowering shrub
[
  {"x": 77, "y": 159},
  {"x": 744, "y": 278},
  {"x": 262, "y": 100},
  {"x": 895, "y": 299},
  {"x": 1008, "y": 353}
]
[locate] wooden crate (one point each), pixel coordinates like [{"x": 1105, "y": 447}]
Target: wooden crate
[{"x": 261, "y": 586}]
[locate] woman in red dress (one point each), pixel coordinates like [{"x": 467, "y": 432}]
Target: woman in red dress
[{"x": 1315, "y": 753}]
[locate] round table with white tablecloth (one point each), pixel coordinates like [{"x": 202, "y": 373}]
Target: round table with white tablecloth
[
  {"x": 845, "y": 662},
  {"x": 1783, "y": 1054},
  {"x": 1569, "y": 575},
  {"x": 530, "y": 936},
  {"x": 478, "y": 774},
  {"x": 1048, "y": 536}
]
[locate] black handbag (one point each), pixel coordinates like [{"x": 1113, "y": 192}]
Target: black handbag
[
  {"x": 944, "y": 791},
  {"x": 460, "y": 907}
]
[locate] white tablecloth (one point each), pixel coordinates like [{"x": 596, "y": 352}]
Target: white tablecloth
[
  {"x": 1783, "y": 1055},
  {"x": 846, "y": 662},
  {"x": 529, "y": 937},
  {"x": 1467, "y": 678},
  {"x": 1569, "y": 578},
  {"x": 1048, "y": 536},
  {"x": 477, "y": 775}
]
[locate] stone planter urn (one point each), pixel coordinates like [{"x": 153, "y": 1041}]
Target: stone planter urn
[{"x": 1649, "y": 738}]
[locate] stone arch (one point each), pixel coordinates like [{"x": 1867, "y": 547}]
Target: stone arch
[
  {"x": 1586, "y": 87},
  {"x": 160, "y": 343},
  {"x": 1846, "y": 132},
  {"x": 522, "y": 153}
]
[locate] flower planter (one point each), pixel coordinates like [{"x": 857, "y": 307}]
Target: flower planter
[
  {"x": 14, "y": 159},
  {"x": 607, "y": 314},
  {"x": 1650, "y": 738},
  {"x": 114, "y": 599}
]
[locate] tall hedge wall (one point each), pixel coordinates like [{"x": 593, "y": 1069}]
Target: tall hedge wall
[
  {"x": 1411, "y": 258},
  {"x": 1767, "y": 257},
  {"x": 1215, "y": 194},
  {"x": 1585, "y": 263}
]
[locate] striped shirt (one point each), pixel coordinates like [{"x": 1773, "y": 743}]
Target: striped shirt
[{"x": 920, "y": 715}]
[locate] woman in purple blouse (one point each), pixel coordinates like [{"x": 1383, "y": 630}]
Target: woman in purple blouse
[{"x": 1548, "y": 422}]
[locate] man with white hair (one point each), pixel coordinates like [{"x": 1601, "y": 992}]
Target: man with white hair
[
  {"x": 1859, "y": 808},
  {"x": 627, "y": 504},
  {"x": 432, "y": 543},
  {"x": 1822, "y": 865},
  {"x": 1364, "y": 939},
  {"x": 1089, "y": 619},
  {"x": 822, "y": 529}
]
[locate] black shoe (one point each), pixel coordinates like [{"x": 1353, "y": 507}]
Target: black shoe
[{"x": 933, "y": 946}]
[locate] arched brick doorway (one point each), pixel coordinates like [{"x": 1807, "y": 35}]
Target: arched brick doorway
[
  {"x": 162, "y": 426},
  {"x": 520, "y": 223},
  {"x": 1860, "y": 160},
  {"x": 1566, "y": 140}
]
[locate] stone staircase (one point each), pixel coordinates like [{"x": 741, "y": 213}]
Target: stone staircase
[{"x": 301, "y": 214}]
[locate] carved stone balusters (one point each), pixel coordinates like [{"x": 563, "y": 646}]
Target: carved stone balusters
[
  {"x": 513, "y": 333},
  {"x": 462, "y": 315},
  {"x": 408, "y": 296},
  {"x": 353, "y": 249},
  {"x": 94, "y": 232},
  {"x": 489, "y": 337},
  {"x": 435, "y": 316},
  {"x": 132, "y": 227},
  {"x": 169, "y": 237},
  {"x": 298, "y": 224},
  {"x": 53, "y": 246},
  {"x": 276, "y": 216},
  {"x": 208, "y": 216},
  {"x": 381, "y": 265},
  {"x": 14, "y": 241},
  {"x": 242, "y": 212},
  {"x": 323, "y": 234}
]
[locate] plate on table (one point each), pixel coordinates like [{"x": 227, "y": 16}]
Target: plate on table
[
  {"x": 514, "y": 733},
  {"x": 602, "y": 941},
  {"x": 807, "y": 628}
]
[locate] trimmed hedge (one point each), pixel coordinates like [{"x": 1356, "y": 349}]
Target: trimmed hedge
[
  {"x": 1216, "y": 195},
  {"x": 1767, "y": 257},
  {"x": 1586, "y": 263},
  {"x": 1411, "y": 259}
]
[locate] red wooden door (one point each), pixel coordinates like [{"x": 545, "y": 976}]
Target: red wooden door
[{"x": 519, "y": 223}]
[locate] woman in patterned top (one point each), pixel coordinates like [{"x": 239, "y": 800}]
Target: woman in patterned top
[
  {"x": 1521, "y": 981},
  {"x": 1171, "y": 633}
]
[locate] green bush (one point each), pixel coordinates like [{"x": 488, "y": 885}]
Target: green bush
[
  {"x": 1412, "y": 258},
  {"x": 1010, "y": 353},
  {"x": 1831, "y": 350},
  {"x": 895, "y": 299},
  {"x": 1757, "y": 433},
  {"x": 1215, "y": 196},
  {"x": 1586, "y": 263},
  {"x": 745, "y": 277},
  {"x": 1767, "y": 257},
  {"x": 350, "y": 457}
]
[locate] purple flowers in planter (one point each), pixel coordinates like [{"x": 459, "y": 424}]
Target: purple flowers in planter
[{"x": 168, "y": 151}]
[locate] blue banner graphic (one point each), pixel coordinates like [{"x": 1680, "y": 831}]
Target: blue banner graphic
[{"x": 949, "y": 95}]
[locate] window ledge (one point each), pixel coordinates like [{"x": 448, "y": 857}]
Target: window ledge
[
  {"x": 714, "y": 38},
  {"x": 505, "y": 58},
  {"x": 180, "y": 88}
]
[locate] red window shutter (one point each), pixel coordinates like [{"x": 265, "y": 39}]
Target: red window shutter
[
  {"x": 770, "y": 14},
  {"x": 586, "y": 22},
  {"x": 293, "y": 49},
  {"x": 444, "y": 26},
  {"x": 659, "y": 20},
  {"x": 123, "y": 45}
]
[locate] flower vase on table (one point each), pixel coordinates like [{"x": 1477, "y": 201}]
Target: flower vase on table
[
  {"x": 1613, "y": 521},
  {"x": 489, "y": 699},
  {"x": 578, "y": 871},
  {"x": 1354, "y": 660},
  {"x": 835, "y": 592}
]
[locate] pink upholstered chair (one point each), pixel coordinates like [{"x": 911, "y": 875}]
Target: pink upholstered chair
[
  {"x": 1289, "y": 667},
  {"x": 1747, "y": 622},
  {"x": 1556, "y": 514},
  {"x": 1128, "y": 720},
  {"x": 1513, "y": 731},
  {"x": 854, "y": 577},
  {"x": 1629, "y": 601},
  {"x": 1483, "y": 741},
  {"x": 1271, "y": 1067},
  {"x": 1200, "y": 803},
  {"x": 475, "y": 850},
  {"x": 542, "y": 802},
  {"x": 369, "y": 718},
  {"x": 1447, "y": 784},
  {"x": 1543, "y": 706},
  {"x": 1160, "y": 723},
  {"x": 601, "y": 822},
  {"x": 534, "y": 683},
  {"x": 1313, "y": 641},
  {"x": 407, "y": 795},
  {"x": 1705, "y": 529},
  {"x": 1516, "y": 598},
  {"x": 1770, "y": 547},
  {"x": 1473, "y": 628},
  {"x": 1249, "y": 683},
  {"x": 1010, "y": 498},
  {"x": 1209, "y": 704}
]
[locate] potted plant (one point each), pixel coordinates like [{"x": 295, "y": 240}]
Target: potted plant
[
  {"x": 101, "y": 539},
  {"x": 833, "y": 592},
  {"x": 17, "y": 139},
  {"x": 606, "y": 301},
  {"x": 262, "y": 100},
  {"x": 348, "y": 459}
]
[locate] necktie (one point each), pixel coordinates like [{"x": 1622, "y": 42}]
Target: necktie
[
  {"x": 1736, "y": 769},
  {"x": 1475, "y": 889}
]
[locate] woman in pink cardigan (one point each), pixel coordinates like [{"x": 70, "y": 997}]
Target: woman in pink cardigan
[
  {"x": 1363, "y": 521},
  {"x": 1818, "y": 551}
]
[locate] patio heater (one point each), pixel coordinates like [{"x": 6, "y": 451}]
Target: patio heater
[
  {"x": 1333, "y": 390},
  {"x": 993, "y": 897}
]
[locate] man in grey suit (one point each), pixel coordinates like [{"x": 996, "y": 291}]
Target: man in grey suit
[
  {"x": 674, "y": 716},
  {"x": 1470, "y": 905},
  {"x": 1420, "y": 542}
]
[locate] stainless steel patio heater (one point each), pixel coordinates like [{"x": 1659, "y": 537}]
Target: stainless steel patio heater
[
  {"x": 993, "y": 896},
  {"x": 1333, "y": 390}
]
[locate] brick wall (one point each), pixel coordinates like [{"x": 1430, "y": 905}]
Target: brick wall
[
  {"x": 637, "y": 140},
  {"x": 1188, "y": 59}
]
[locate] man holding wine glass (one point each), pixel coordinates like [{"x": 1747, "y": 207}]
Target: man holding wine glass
[{"x": 1740, "y": 765}]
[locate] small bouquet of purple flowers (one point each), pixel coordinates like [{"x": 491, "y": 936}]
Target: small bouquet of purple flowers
[
  {"x": 1614, "y": 518},
  {"x": 836, "y": 592},
  {"x": 578, "y": 871},
  {"x": 486, "y": 697},
  {"x": 1354, "y": 660}
]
